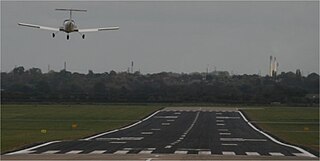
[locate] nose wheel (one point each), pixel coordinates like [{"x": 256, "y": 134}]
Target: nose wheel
[
  {"x": 68, "y": 37},
  {"x": 53, "y": 35},
  {"x": 83, "y": 36}
]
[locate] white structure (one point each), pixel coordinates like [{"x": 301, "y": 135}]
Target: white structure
[{"x": 273, "y": 66}]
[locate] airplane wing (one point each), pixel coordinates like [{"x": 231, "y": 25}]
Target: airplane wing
[
  {"x": 98, "y": 29},
  {"x": 39, "y": 27}
]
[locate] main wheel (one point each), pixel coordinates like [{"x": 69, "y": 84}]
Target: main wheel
[
  {"x": 83, "y": 36},
  {"x": 53, "y": 35},
  {"x": 67, "y": 37}
]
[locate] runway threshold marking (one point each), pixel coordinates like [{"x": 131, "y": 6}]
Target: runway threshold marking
[
  {"x": 252, "y": 153},
  {"x": 180, "y": 152},
  {"x": 51, "y": 152},
  {"x": 276, "y": 154},
  {"x": 228, "y": 153},
  {"x": 98, "y": 152},
  {"x": 74, "y": 152},
  {"x": 145, "y": 152},
  {"x": 204, "y": 152},
  {"x": 121, "y": 152}
]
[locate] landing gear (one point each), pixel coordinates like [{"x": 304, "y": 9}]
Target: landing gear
[
  {"x": 68, "y": 37},
  {"x": 83, "y": 36},
  {"x": 53, "y": 35}
]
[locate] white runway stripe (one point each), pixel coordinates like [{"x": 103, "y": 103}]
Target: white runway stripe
[
  {"x": 146, "y": 133},
  {"x": 223, "y": 130},
  {"x": 165, "y": 124},
  {"x": 228, "y": 153},
  {"x": 145, "y": 152},
  {"x": 220, "y": 124},
  {"x": 121, "y": 152},
  {"x": 204, "y": 152},
  {"x": 98, "y": 152},
  {"x": 229, "y": 144},
  {"x": 181, "y": 152},
  {"x": 220, "y": 120},
  {"x": 225, "y": 133},
  {"x": 51, "y": 152},
  {"x": 74, "y": 152},
  {"x": 252, "y": 153},
  {"x": 276, "y": 154},
  {"x": 300, "y": 154}
]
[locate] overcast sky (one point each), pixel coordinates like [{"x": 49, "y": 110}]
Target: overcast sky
[{"x": 164, "y": 36}]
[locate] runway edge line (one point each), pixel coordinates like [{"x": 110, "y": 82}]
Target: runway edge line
[
  {"x": 275, "y": 140},
  {"x": 126, "y": 127}
]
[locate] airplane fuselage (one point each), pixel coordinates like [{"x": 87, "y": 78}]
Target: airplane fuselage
[{"x": 69, "y": 26}]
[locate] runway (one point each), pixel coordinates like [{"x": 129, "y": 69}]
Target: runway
[{"x": 201, "y": 132}]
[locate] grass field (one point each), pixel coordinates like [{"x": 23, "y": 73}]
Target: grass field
[
  {"x": 26, "y": 124},
  {"x": 296, "y": 125}
]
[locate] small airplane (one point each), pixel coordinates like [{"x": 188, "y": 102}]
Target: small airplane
[{"x": 69, "y": 25}]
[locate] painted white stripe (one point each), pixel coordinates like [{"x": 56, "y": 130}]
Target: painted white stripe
[
  {"x": 108, "y": 132},
  {"x": 147, "y": 133},
  {"x": 168, "y": 146},
  {"x": 220, "y": 117},
  {"x": 145, "y": 152},
  {"x": 220, "y": 120},
  {"x": 225, "y": 133},
  {"x": 300, "y": 154},
  {"x": 219, "y": 113},
  {"x": 170, "y": 120},
  {"x": 276, "y": 154},
  {"x": 274, "y": 140},
  {"x": 155, "y": 129},
  {"x": 228, "y": 153},
  {"x": 241, "y": 139},
  {"x": 29, "y": 150},
  {"x": 252, "y": 153},
  {"x": 220, "y": 124},
  {"x": 229, "y": 144},
  {"x": 51, "y": 152},
  {"x": 223, "y": 130},
  {"x": 98, "y": 152},
  {"x": 74, "y": 152},
  {"x": 177, "y": 113},
  {"x": 121, "y": 152},
  {"x": 204, "y": 152},
  {"x": 165, "y": 124},
  {"x": 117, "y": 142},
  {"x": 119, "y": 139},
  {"x": 181, "y": 152},
  {"x": 166, "y": 117}
]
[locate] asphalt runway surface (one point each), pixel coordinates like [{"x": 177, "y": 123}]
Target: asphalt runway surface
[{"x": 181, "y": 132}]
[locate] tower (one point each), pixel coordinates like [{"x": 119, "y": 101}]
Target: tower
[{"x": 270, "y": 67}]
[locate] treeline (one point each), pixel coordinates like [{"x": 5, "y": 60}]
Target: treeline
[{"x": 32, "y": 85}]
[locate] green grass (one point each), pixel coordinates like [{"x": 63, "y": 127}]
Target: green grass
[
  {"x": 296, "y": 125},
  {"x": 22, "y": 124}
]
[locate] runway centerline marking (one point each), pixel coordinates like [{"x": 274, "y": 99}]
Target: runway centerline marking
[
  {"x": 147, "y": 133},
  {"x": 180, "y": 152},
  {"x": 117, "y": 142},
  {"x": 225, "y": 133},
  {"x": 187, "y": 131},
  {"x": 166, "y": 117},
  {"x": 229, "y": 144},
  {"x": 155, "y": 129},
  {"x": 165, "y": 124}
]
